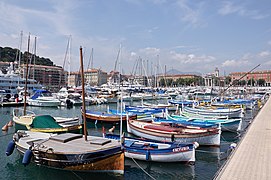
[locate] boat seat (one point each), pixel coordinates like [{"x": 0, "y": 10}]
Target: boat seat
[
  {"x": 100, "y": 141},
  {"x": 129, "y": 143},
  {"x": 65, "y": 137}
]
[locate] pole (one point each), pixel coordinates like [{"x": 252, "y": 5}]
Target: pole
[
  {"x": 26, "y": 74},
  {"x": 83, "y": 94},
  {"x": 241, "y": 78}
]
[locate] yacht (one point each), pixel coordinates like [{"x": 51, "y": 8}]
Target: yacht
[{"x": 13, "y": 82}]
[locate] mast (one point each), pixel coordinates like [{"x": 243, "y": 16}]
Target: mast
[
  {"x": 35, "y": 51},
  {"x": 121, "y": 100},
  {"x": 83, "y": 94},
  {"x": 26, "y": 74},
  {"x": 70, "y": 46}
]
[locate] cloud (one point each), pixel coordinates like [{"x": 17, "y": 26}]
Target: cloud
[
  {"x": 231, "y": 8},
  {"x": 191, "y": 58},
  {"x": 235, "y": 63},
  {"x": 150, "y": 51},
  {"x": 264, "y": 53},
  {"x": 191, "y": 14}
]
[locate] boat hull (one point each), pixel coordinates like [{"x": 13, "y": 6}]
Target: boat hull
[
  {"x": 75, "y": 154},
  {"x": 208, "y": 138}
]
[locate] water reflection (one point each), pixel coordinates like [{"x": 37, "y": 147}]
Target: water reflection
[{"x": 134, "y": 170}]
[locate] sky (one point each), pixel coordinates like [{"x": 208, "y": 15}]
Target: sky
[{"x": 186, "y": 35}]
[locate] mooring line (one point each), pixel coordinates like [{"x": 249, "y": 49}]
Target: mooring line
[{"x": 143, "y": 169}]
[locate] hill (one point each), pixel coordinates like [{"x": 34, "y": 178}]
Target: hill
[
  {"x": 8, "y": 54},
  {"x": 176, "y": 72}
]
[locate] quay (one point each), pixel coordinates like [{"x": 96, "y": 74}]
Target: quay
[{"x": 251, "y": 159}]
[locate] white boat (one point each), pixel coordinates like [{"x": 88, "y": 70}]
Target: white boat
[
  {"x": 164, "y": 133},
  {"x": 14, "y": 82},
  {"x": 69, "y": 97},
  {"x": 208, "y": 112},
  {"x": 149, "y": 150},
  {"x": 43, "y": 98}
]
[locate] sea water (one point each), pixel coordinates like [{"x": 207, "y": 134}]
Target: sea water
[{"x": 208, "y": 159}]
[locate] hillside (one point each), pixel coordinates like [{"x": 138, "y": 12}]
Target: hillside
[{"x": 8, "y": 54}]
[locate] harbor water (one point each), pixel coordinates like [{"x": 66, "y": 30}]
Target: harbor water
[{"x": 208, "y": 159}]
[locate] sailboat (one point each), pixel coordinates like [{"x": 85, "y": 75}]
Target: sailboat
[{"x": 70, "y": 151}]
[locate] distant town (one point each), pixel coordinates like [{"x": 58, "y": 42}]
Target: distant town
[{"x": 54, "y": 77}]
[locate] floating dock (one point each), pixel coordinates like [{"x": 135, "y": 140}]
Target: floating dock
[{"x": 251, "y": 159}]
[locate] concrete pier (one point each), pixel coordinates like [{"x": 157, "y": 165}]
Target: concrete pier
[{"x": 252, "y": 157}]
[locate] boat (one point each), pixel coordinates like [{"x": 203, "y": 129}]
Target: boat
[
  {"x": 149, "y": 150},
  {"x": 69, "y": 97},
  {"x": 209, "y": 112},
  {"x": 231, "y": 125},
  {"x": 45, "y": 123},
  {"x": 166, "y": 133},
  {"x": 43, "y": 98},
  {"x": 106, "y": 117},
  {"x": 69, "y": 151},
  {"x": 12, "y": 81}
]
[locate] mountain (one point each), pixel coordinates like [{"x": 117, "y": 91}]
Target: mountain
[{"x": 176, "y": 72}]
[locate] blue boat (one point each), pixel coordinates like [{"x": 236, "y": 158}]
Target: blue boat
[{"x": 149, "y": 150}]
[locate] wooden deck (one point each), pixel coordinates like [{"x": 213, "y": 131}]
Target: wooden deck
[{"x": 252, "y": 157}]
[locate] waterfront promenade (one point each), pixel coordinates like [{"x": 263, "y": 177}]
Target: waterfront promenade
[{"x": 252, "y": 157}]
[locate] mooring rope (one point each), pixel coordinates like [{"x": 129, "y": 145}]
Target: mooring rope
[
  {"x": 209, "y": 152},
  {"x": 143, "y": 169},
  {"x": 76, "y": 175}
]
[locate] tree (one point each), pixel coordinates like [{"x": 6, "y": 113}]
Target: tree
[
  {"x": 261, "y": 82},
  {"x": 251, "y": 82}
]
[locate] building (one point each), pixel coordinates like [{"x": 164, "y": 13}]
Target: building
[
  {"x": 51, "y": 77},
  {"x": 249, "y": 77},
  {"x": 93, "y": 77}
]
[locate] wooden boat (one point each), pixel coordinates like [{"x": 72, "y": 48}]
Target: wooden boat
[
  {"x": 226, "y": 124},
  {"x": 149, "y": 150},
  {"x": 106, "y": 117},
  {"x": 208, "y": 112},
  {"x": 166, "y": 133},
  {"x": 45, "y": 123},
  {"x": 70, "y": 151}
]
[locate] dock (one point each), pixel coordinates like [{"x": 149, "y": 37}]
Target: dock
[{"x": 251, "y": 159}]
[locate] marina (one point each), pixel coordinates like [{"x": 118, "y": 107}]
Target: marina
[{"x": 208, "y": 160}]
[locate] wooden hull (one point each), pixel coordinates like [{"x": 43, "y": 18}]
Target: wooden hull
[
  {"x": 208, "y": 137},
  {"x": 105, "y": 117},
  {"x": 73, "y": 154}
]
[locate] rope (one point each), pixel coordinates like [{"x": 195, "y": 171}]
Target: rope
[
  {"x": 210, "y": 152},
  {"x": 76, "y": 175},
  {"x": 143, "y": 169}
]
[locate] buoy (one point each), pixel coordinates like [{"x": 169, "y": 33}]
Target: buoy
[
  {"x": 10, "y": 123},
  {"x": 10, "y": 148},
  {"x": 5, "y": 127},
  {"x": 112, "y": 129},
  {"x": 27, "y": 157},
  {"x": 196, "y": 145},
  {"x": 233, "y": 146}
]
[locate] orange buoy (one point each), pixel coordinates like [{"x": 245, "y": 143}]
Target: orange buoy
[
  {"x": 5, "y": 127},
  {"x": 10, "y": 123}
]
